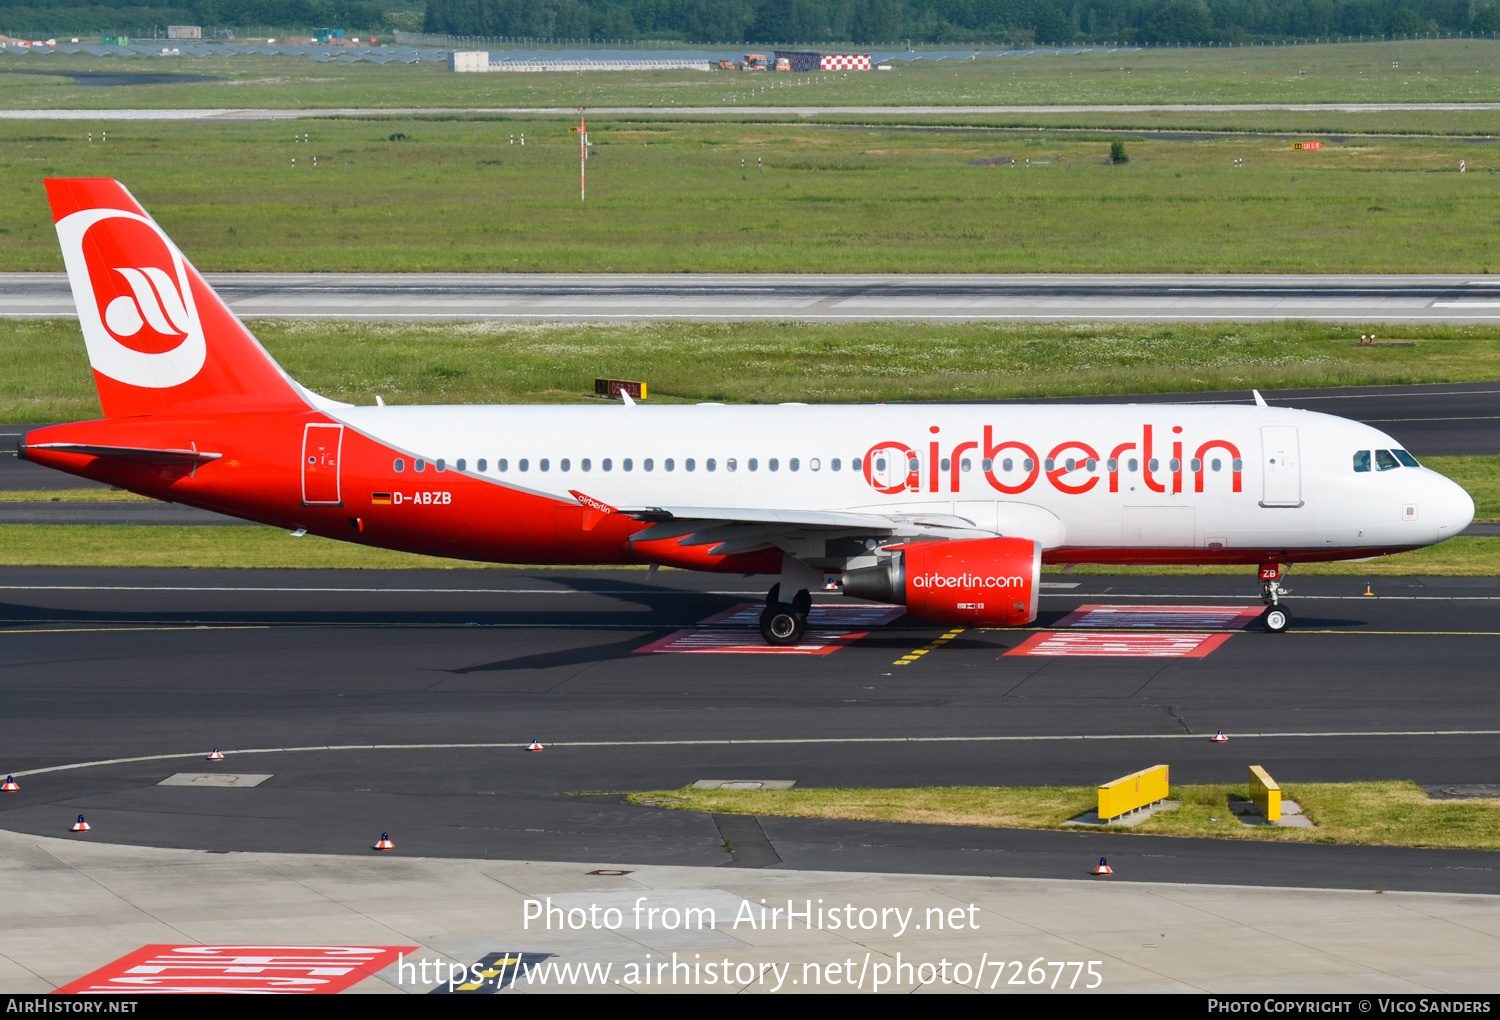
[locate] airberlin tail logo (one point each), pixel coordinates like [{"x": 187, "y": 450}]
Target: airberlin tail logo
[
  {"x": 153, "y": 301},
  {"x": 134, "y": 300}
]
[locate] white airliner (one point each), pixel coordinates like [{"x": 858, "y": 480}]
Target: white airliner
[{"x": 948, "y": 509}]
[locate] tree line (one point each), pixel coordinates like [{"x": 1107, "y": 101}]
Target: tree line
[
  {"x": 980, "y": 22},
  {"x": 1002, "y": 22},
  {"x": 128, "y": 17}
]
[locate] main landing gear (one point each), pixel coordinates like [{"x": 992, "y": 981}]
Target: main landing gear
[
  {"x": 784, "y": 623},
  {"x": 1276, "y": 617}
]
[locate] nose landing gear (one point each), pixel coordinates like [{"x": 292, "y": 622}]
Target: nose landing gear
[
  {"x": 784, "y": 623},
  {"x": 1277, "y": 617}
]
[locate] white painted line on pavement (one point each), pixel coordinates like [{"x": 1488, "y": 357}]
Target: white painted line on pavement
[{"x": 520, "y": 746}]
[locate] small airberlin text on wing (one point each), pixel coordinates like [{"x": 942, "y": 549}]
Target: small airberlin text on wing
[{"x": 807, "y": 916}]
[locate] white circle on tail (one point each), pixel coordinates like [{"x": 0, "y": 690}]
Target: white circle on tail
[
  {"x": 123, "y": 317},
  {"x": 140, "y": 278}
]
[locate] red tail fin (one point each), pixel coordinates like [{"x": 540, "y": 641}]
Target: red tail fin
[{"x": 159, "y": 339}]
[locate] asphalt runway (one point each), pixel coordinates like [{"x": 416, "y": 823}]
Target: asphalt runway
[
  {"x": 1390, "y": 300},
  {"x": 402, "y": 701}
]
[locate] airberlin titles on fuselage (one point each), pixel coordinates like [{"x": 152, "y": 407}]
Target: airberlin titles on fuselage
[{"x": 1062, "y": 460}]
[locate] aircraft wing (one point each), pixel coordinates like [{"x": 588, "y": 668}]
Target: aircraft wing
[{"x": 736, "y": 530}]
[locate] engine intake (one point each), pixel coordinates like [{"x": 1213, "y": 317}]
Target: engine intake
[{"x": 977, "y": 582}]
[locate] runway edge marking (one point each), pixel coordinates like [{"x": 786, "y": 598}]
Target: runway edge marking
[{"x": 518, "y": 745}]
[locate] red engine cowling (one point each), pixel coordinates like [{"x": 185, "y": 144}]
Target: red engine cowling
[{"x": 977, "y": 582}]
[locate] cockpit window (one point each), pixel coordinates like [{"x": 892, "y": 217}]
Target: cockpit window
[
  {"x": 1384, "y": 461},
  {"x": 1406, "y": 458},
  {"x": 1361, "y": 460}
]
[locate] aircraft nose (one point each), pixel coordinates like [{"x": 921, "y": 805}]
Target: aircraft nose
[{"x": 1455, "y": 507}]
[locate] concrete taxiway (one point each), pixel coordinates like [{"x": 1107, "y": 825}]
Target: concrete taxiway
[
  {"x": 403, "y": 701},
  {"x": 1391, "y": 300},
  {"x": 67, "y": 908}
]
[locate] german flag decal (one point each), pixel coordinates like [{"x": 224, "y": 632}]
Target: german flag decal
[{"x": 380, "y": 498}]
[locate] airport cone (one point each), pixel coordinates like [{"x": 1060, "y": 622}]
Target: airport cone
[
  {"x": 80, "y": 825},
  {"x": 216, "y": 755},
  {"x": 534, "y": 746},
  {"x": 1219, "y": 738},
  {"x": 1103, "y": 868},
  {"x": 1367, "y": 589},
  {"x": 385, "y": 842},
  {"x": 10, "y": 785}
]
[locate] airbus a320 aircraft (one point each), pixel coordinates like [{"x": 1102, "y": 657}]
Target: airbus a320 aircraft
[{"x": 948, "y": 509}]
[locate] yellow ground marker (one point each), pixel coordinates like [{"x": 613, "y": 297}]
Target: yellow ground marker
[{"x": 916, "y": 654}]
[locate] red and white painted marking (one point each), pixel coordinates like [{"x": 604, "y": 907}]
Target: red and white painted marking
[
  {"x": 1159, "y": 645},
  {"x": 1163, "y": 617},
  {"x": 829, "y": 628},
  {"x": 299, "y": 970}
]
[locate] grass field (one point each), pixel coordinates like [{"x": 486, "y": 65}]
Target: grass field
[
  {"x": 44, "y": 373},
  {"x": 1460, "y": 70},
  {"x": 453, "y": 194},
  {"x": 1388, "y": 813}
]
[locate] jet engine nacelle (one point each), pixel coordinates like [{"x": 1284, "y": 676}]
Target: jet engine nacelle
[{"x": 977, "y": 582}]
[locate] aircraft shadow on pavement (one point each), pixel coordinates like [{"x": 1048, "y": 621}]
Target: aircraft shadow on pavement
[
  {"x": 672, "y": 607},
  {"x": 565, "y": 656}
]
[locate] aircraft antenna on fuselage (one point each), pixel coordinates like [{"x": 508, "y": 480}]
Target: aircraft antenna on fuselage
[{"x": 1260, "y": 401}]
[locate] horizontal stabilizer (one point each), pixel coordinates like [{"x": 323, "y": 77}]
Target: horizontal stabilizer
[{"x": 137, "y": 454}]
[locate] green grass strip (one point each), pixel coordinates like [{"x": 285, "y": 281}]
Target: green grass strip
[
  {"x": 44, "y": 372},
  {"x": 1389, "y": 813}
]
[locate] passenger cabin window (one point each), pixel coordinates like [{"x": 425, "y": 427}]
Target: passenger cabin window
[
  {"x": 441, "y": 465},
  {"x": 834, "y": 465},
  {"x": 399, "y": 465},
  {"x": 482, "y": 465},
  {"x": 1361, "y": 460},
  {"x": 1384, "y": 461},
  {"x": 587, "y": 464},
  {"x": 854, "y": 464},
  {"x": 502, "y": 465},
  {"x": 524, "y": 464},
  {"x": 421, "y": 465},
  {"x": 459, "y": 464}
]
